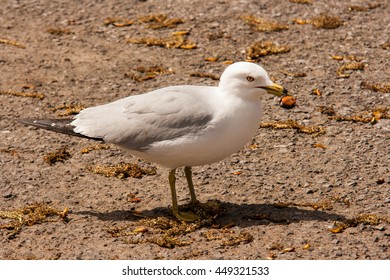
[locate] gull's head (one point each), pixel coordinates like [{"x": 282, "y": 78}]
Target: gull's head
[{"x": 249, "y": 81}]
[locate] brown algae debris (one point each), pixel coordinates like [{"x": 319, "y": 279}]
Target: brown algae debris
[
  {"x": 123, "y": 170},
  {"x": 95, "y": 148},
  {"x": 367, "y": 117},
  {"x": 263, "y": 25},
  {"x": 358, "y": 8},
  {"x": 118, "y": 21},
  {"x": 349, "y": 57},
  {"x": 59, "y": 31},
  {"x": 370, "y": 219},
  {"x": 23, "y": 94},
  {"x": 354, "y": 65},
  {"x": 30, "y": 215},
  {"x": 58, "y": 156},
  {"x": 211, "y": 58},
  {"x": 142, "y": 73},
  {"x": 236, "y": 239},
  {"x": 9, "y": 151},
  {"x": 349, "y": 66},
  {"x": 160, "y": 21},
  {"x": 386, "y": 45},
  {"x": 154, "y": 21},
  {"x": 176, "y": 41},
  {"x": 68, "y": 109},
  {"x": 291, "y": 124},
  {"x": 326, "y": 22},
  {"x": 321, "y": 21},
  {"x": 260, "y": 49},
  {"x": 377, "y": 87},
  {"x": 161, "y": 231},
  {"x": 12, "y": 43},
  {"x": 170, "y": 233},
  {"x": 316, "y": 92}
]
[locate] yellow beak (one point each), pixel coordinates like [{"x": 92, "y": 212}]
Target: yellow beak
[{"x": 276, "y": 89}]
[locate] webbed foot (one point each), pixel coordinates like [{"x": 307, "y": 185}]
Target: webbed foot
[{"x": 186, "y": 216}]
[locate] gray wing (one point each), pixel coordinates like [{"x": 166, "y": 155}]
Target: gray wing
[{"x": 138, "y": 121}]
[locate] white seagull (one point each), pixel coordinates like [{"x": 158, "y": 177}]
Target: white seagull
[{"x": 179, "y": 126}]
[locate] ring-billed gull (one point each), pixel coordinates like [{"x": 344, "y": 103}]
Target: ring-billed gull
[{"x": 179, "y": 126}]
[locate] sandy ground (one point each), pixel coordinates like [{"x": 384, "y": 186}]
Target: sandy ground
[{"x": 286, "y": 195}]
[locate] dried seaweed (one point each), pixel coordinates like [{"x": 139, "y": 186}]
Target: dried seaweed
[
  {"x": 282, "y": 249},
  {"x": 291, "y": 124},
  {"x": 368, "y": 117},
  {"x": 349, "y": 57},
  {"x": 118, "y": 21},
  {"x": 322, "y": 21},
  {"x": 166, "y": 232},
  {"x": 326, "y": 22},
  {"x": 288, "y": 250},
  {"x": 319, "y": 145},
  {"x": 264, "y": 25},
  {"x": 356, "y": 64},
  {"x": 123, "y": 170},
  {"x": 30, "y": 215},
  {"x": 211, "y": 58},
  {"x": 23, "y": 94},
  {"x": 260, "y": 49},
  {"x": 386, "y": 45},
  {"x": 160, "y": 21},
  {"x": 142, "y": 73},
  {"x": 379, "y": 87},
  {"x": 316, "y": 92},
  {"x": 357, "y": 8},
  {"x": 349, "y": 66},
  {"x": 59, "y": 31},
  {"x": 176, "y": 41},
  {"x": 12, "y": 43},
  {"x": 156, "y": 21},
  {"x": 95, "y": 148},
  {"x": 68, "y": 109},
  {"x": 234, "y": 240},
  {"x": 10, "y": 151},
  {"x": 205, "y": 75},
  {"x": 58, "y": 156},
  {"x": 370, "y": 219}
]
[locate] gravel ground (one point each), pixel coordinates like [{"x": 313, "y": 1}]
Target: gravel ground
[{"x": 288, "y": 194}]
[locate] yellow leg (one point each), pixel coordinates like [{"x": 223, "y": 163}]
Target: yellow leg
[
  {"x": 188, "y": 172},
  {"x": 184, "y": 216}
]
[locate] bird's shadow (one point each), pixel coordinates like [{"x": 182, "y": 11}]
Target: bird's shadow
[{"x": 242, "y": 215}]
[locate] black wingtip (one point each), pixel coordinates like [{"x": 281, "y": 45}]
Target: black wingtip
[
  {"x": 63, "y": 126},
  {"x": 26, "y": 121}
]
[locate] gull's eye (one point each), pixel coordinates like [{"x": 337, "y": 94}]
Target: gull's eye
[{"x": 250, "y": 78}]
